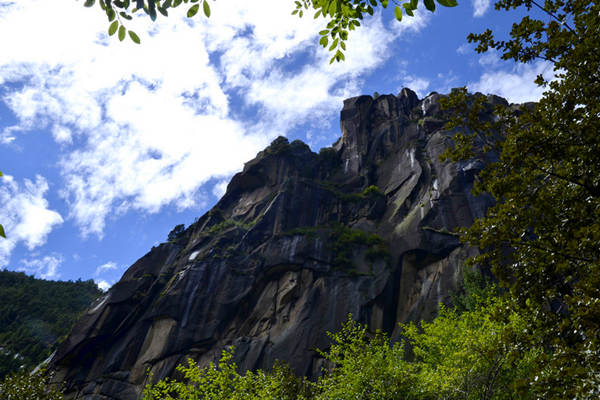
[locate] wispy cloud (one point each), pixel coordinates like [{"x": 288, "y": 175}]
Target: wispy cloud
[
  {"x": 45, "y": 267},
  {"x": 25, "y": 214},
  {"x": 516, "y": 84},
  {"x": 109, "y": 266},
  {"x": 480, "y": 7}
]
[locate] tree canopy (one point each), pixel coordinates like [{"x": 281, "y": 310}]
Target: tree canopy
[{"x": 542, "y": 238}]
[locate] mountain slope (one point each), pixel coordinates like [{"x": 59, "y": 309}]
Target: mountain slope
[
  {"x": 298, "y": 241},
  {"x": 34, "y": 314}
]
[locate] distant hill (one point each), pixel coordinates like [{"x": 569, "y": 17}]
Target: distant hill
[{"x": 35, "y": 314}]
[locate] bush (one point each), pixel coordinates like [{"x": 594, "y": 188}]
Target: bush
[{"x": 176, "y": 232}]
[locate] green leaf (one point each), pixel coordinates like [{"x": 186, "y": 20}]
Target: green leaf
[
  {"x": 324, "y": 40},
  {"x": 111, "y": 14},
  {"x": 163, "y": 11},
  {"x": 324, "y": 32},
  {"x": 125, "y": 15},
  {"x": 407, "y": 9},
  {"x": 206, "y": 8},
  {"x": 193, "y": 10},
  {"x": 398, "y": 13},
  {"x": 113, "y": 28},
  {"x": 430, "y": 5},
  {"x": 134, "y": 37},
  {"x": 333, "y": 45},
  {"x": 384, "y": 3},
  {"x": 2, "y": 232},
  {"x": 89, "y": 3},
  {"x": 121, "y": 33},
  {"x": 448, "y": 3},
  {"x": 0, "y": 173},
  {"x": 414, "y": 4}
]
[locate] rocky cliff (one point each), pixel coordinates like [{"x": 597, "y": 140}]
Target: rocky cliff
[{"x": 298, "y": 241}]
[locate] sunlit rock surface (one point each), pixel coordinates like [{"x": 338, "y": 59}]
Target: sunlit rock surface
[{"x": 298, "y": 241}]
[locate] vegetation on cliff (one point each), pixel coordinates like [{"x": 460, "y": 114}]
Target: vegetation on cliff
[
  {"x": 459, "y": 355},
  {"x": 34, "y": 314}
]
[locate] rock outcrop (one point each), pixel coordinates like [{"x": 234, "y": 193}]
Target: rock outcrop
[{"x": 298, "y": 241}]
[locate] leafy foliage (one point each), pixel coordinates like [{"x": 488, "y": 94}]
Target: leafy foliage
[
  {"x": 223, "y": 382},
  {"x": 342, "y": 16},
  {"x": 453, "y": 357},
  {"x": 176, "y": 232},
  {"x": 35, "y": 314},
  {"x": 542, "y": 236},
  {"x": 24, "y": 385}
]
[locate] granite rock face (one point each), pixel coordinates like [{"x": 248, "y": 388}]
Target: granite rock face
[{"x": 298, "y": 241}]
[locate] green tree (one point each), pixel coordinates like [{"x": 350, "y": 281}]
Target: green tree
[
  {"x": 221, "y": 381},
  {"x": 365, "y": 366},
  {"x": 542, "y": 237},
  {"x": 341, "y": 16}
]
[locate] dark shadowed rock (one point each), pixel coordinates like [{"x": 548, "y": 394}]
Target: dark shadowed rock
[{"x": 298, "y": 241}]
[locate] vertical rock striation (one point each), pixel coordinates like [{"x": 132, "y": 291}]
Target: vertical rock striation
[{"x": 298, "y": 241}]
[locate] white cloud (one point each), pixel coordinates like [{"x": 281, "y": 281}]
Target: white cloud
[
  {"x": 25, "y": 214},
  {"x": 220, "y": 188},
  {"x": 464, "y": 49},
  {"x": 45, "y": 267},
  {"x": 103, "y": 285},
  {"x": 141, "y": 127},
  {"x": 480, "y": 7},
  {"x": 417, "y": 84},
  {"x": 105, "y": 267},
  {"x": 517, "y": 84}
]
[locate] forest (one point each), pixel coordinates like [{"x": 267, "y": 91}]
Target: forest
[{"x": 35, "y": 314}]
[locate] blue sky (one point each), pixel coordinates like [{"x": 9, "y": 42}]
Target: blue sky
[{"x": 105, "y": 146}]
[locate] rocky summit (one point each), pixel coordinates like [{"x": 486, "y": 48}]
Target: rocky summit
[{"x": 298, "y": 241}]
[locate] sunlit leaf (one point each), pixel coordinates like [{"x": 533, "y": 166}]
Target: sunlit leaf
[
  {"x": 398, "y": 13},
  {"x": 134, "y": 37},
  {"x": 193, "y": 10},
  {"x": 448, "y": 3},
  {"x": 206, "y": 8},
  {"x": 121, "y": 33},
  {"x": 113, "y": 28}
]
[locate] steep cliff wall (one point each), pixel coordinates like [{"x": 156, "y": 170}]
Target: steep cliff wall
[{"x": 298, "y": 241}]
